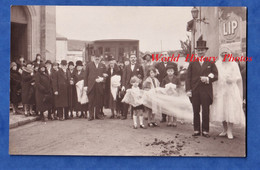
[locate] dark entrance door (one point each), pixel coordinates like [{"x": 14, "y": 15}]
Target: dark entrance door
[{"x": 18, "y": 40}]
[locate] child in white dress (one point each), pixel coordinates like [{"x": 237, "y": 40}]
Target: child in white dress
[
  {"x": 151, "y": 82},
  {"x": 134, "y": 98}
]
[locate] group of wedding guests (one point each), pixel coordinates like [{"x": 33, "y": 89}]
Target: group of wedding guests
[
  {"x": 61, "y": 89},
  {"x": 45, "y": 86}
]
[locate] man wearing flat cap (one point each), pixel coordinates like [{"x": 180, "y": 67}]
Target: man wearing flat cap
[
  {"x": 60, "y": 88},
  {"x": 94, "y": 85},
  {"x": 200, "y": 75}
]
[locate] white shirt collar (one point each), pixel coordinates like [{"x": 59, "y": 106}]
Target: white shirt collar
[{"x": 132, "y": 66}]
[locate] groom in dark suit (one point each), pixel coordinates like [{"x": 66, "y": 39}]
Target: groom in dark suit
[
  {"x": 94, "y": 84},
  {"x": 200, "y": 75},
  {"x": 133, "y": 69}
]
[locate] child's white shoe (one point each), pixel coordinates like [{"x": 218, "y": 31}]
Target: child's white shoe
[{"x": 222, "y": 134}]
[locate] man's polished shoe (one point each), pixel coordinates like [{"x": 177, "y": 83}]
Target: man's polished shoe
[
  {"x": 196, "y": 134},
  {"x": 99, "y": 117},
  {"x": 205, "y": 134}
]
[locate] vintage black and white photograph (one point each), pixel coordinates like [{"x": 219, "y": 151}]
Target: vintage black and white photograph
[{"x": 128, "y": 81}]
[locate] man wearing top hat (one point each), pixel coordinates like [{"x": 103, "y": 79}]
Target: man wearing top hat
[
  {"x": 94, "y": 84},
  {"x": 60, "y": 87},
  {"x": 200, "y": 75}
]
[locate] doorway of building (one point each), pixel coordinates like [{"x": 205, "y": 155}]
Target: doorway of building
[
  {"x": 18, "y": 41},
  {"x": 20, "y": 23}
]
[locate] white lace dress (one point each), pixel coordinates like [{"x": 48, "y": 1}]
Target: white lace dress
[{"x": 227, "y": 94}]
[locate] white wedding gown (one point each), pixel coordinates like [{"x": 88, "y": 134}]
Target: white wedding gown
[
  {"x": 169, "y": 101},
  {"x": 162, "y": 100},
  {"x": 227, "y": 94}
]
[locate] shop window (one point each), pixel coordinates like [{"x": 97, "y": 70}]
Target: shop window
[{"x": 107, "y": 49}]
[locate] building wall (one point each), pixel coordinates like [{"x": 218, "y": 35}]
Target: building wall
[
  {"x": 61, "y": 50},
  {"x": 36, "y": 30},
  {"x": 209, "y": 31},
  {"x": 49, "y": 32},
  {"x": 41, "y": 31},
  {"x": 43, "y": 36}
]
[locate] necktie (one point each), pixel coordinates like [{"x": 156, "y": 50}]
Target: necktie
[
  {"x": 153, "y": 82},
  {"x": 96, "y": 64},
  {"x": 132, "y": 67}
]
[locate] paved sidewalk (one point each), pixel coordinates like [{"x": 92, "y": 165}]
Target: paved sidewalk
[{"x": 19, "y": 119}]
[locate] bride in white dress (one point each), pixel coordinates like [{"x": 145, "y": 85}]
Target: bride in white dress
[{"x": 227, "y": 95}]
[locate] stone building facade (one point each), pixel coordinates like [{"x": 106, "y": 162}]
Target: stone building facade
[{"x": 33, "y": 31}]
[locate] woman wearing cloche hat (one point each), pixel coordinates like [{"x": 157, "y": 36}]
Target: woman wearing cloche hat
[
  {"x": 80, "y": 95},
  {"x": 27, "y": 88},
  {"x": 43, "y": 91},
  {"x": 15, "y": 87},
  {"x": 71, "y": 88}
]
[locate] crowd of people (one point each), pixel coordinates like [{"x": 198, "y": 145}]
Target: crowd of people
[{"x": 61, "y": 89}]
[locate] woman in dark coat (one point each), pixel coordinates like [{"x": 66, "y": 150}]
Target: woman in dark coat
[
  {"x": 113, "y": 69},
  {"x": 28, "y": 96},
  {"x": 35, "y": 71},
  {"x": 55, "y": 68},
  {"x": 60, "y": 85},
  {"x": 43, "y": 91},
  {"x": 71, "y": 88},
  {"x": 15, "y": 87},
  {"x": 78, "y": 76}
]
